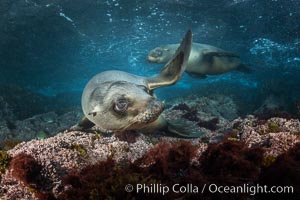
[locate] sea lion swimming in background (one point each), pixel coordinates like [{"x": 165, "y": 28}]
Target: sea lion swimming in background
[
  {"x": 116, "y": 101},
  {"x": 204, "y": 59}
]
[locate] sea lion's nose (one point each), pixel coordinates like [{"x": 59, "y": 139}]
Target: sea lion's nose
[
  {"x": 157, "y": 105},
  {"x": 149, "y": 58}
]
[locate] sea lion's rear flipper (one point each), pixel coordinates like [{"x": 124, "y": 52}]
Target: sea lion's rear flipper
[
  {"x": 244, "y": 68},
  {"x": 196, "y": 75},
  {"x": 173, "y": 70},
  {"x": 84, "y": 124},
  {"x": 184, "y": 128}
]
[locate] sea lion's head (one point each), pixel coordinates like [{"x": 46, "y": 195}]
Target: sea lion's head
[
  {"x": 160, "y": 55},
  {"x": 120, "y": 105}
]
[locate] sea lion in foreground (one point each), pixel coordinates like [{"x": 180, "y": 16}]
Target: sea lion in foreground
[
  {"x": 117, "y": 101},
  {"x": 204, "y": 59}
]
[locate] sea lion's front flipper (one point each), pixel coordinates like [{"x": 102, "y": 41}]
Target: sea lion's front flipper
[
  {"x": 84, "y": 124},
  {"x": 184, "y": 128},
  {"x": 173, "y": 70},
  {"x": 196, "y": 75}
]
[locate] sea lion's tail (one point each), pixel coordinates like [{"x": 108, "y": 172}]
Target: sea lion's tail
[{"x": 244, "y": 68}]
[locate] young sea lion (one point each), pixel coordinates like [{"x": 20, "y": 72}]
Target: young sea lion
[
  {"x": 204, "y": 59},
  {"x": 117, "y": 101}
]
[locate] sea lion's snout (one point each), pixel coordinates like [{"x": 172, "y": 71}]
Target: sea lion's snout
[
  {"x": 155, "y": 55},
  {"x": 157, "y": 106},
  {"x": 152, "y": 112},
  {"x": 150, "y": 59}
]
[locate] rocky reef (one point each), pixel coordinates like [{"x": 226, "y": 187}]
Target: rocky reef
[
  {"x": 25, "y": 115},
  {"x": 232, "y": 151},
  {"x": 37, "y": 126},
  {"x": 80, "y": 164}
]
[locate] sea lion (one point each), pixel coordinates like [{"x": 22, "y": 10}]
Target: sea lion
[
  {"x": 116, "y": 101},
  {"x": 204, "y": 59}
]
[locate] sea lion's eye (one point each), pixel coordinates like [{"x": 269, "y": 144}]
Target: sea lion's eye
[
  {"x": 121, "y": 105},
  {"x": 157, "y": 53}
]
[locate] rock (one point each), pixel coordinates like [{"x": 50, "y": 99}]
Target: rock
[
  {"x": 216, "y": 105},
  {"x": 273, "y": 107},
  {"x": 58, "y": 156},
  {"x": 270, "y": 105},
  {"x": 5, "y": 110},
  {"x": 211, "y": 114},
  {"x": 38, "y": 126},
  {"x": 276, "y": 135},
  {"x": 17, "y": 103}
]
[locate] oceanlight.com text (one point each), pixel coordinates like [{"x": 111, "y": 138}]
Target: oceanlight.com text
[{"x": 211, "y": 188}]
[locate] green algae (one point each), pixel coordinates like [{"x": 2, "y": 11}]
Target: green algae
[
  {"x": 4, "y": 161},
  {"x": 80, "y": 149},
  {"x": 268, "y": 161},
  {"x": 273, "y": 127}
]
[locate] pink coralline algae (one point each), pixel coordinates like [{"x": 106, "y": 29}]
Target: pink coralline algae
[
  {"x": 59, "y": 156},
  {"x": 276, "y": 135}
]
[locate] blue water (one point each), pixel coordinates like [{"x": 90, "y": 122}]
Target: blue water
[{"x": 52, "y": 47}]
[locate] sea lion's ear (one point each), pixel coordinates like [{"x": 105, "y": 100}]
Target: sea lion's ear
[
  {"x": 173, "y": 70},
  {"x": 84, "y": 124}
]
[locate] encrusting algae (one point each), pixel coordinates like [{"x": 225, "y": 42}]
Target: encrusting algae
[{"x": 5, "y": 159}]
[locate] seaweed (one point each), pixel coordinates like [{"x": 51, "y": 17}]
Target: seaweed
[
  {"x": 231, "y": 162},
  {"x": 273, "y": 127},
  {"x": 9, "y": 144},
  {"x": 232, "y": 133},
  {"x": 226, "y": 163},
  {"x": 45, "y": 196},
  {"x": 164, "y": 164},
  {"x": 26, "y": 169},
  {"x": 4, "y": 161},
  {"x": 80, "y": 149},
  {"x": 95, "y": 137},
  {"x": 104, "y": 180},
  {"x": 128, "y": 136},
  {"x": 284, "y": 171},
  {"x": 167, "y": 164},
  {"x": 169, "y": 160},
  {"x": 268, "y": 160}
]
